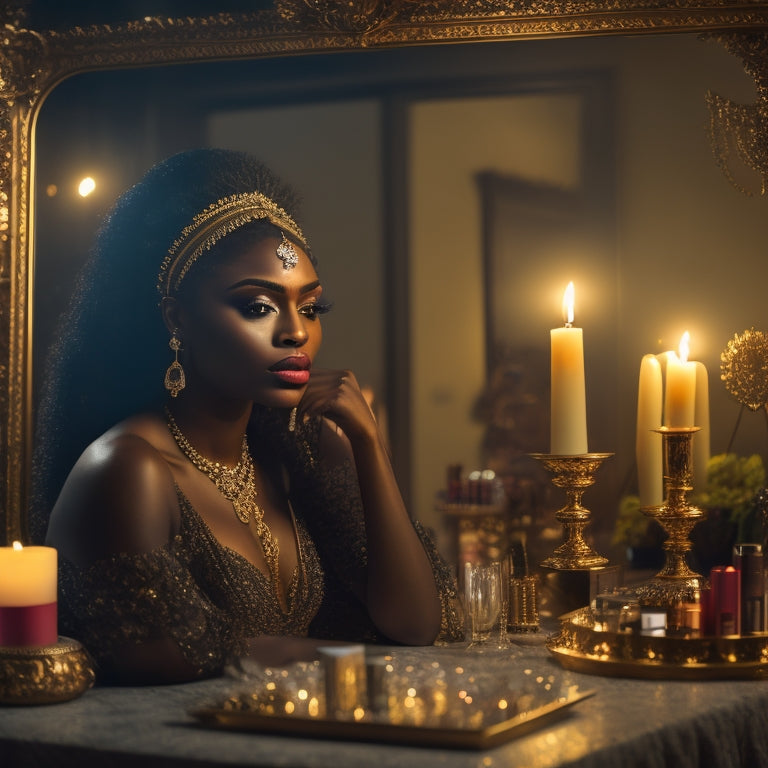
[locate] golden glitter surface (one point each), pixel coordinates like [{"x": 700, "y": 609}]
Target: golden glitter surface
[{"x": 744, "y": 368}]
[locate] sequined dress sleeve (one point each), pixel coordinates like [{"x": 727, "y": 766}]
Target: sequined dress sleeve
[{"x": 205, "y": 597}]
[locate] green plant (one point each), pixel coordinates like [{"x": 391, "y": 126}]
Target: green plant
[
  {"x": 734, "y": 484},
  {"x": 631, "y": 524}
]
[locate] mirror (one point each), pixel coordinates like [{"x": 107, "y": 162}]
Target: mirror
[{"x": 429, "y": 392}]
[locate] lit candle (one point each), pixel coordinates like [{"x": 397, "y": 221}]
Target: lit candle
[
  {"x": 648, "y": 447},
  {"x": 680, "y": 395},
  {"x": 28, "y": 581},
  {"x": 568, "y": 405}
]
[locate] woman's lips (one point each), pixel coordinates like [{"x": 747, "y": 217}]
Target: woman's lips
[
  {"x": 293, "y": 376},
  {"x": 293, "y": 370}
]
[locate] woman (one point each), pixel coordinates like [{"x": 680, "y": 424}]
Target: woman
[{"x": 245, "y": 495}]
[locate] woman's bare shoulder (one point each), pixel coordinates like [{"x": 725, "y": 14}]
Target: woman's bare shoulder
[{"x": 120, "y": 496}]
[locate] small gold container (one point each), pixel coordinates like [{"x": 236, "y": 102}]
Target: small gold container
[
  {"x": 345, "y": 679},
  {"x": 44, "y": 674},
  {"x": 523, "y": 604}
]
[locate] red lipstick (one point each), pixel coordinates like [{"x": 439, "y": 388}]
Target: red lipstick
[{"x": 293, "y": 370}]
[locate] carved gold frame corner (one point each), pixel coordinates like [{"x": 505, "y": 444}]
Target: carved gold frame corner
[{"x": 32, "y": 62}]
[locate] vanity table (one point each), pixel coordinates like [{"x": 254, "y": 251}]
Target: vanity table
[{"x": 627, "y": 722}]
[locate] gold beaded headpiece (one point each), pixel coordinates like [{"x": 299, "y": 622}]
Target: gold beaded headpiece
[{"x": 212, "y": 224}]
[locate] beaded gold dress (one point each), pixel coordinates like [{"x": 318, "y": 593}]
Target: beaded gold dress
[{"x": 209, "y": 599}]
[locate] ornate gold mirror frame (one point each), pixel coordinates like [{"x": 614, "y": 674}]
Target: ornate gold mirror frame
[{"x": 32, "y": 62}]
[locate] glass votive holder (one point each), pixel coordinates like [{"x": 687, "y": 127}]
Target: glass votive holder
[
  {"x": 617, "y": 611},
  {"x": 296, "y": 690}
]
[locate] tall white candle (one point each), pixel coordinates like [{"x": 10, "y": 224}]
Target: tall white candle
[
  {"x": 648, "y": 445},
  {"x": 680, "y": 395},
  {"x": 568, "y": 404},
  {"x": 701, "y": 440}
]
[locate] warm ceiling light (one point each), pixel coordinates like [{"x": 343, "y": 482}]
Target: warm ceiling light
[{"x": 86, "y": 186}]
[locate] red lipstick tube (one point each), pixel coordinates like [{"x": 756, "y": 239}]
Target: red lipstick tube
[{"x": 725, "y": 600}]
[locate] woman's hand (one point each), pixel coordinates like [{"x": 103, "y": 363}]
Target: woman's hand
[{"x": 336, "y": 395}]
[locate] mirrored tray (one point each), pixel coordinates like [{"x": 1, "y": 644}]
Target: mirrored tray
[
  {"x": 581, "y": 645},
  {"x": 325, "y": 728}
]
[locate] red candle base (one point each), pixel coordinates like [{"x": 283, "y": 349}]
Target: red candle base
[{"x": 29, "y": 625}]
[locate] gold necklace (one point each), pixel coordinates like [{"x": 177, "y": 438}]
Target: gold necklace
[{"x": 238, "y": 485}]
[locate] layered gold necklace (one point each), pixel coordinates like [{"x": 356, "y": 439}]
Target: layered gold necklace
[{"x": 238, "y": 485}]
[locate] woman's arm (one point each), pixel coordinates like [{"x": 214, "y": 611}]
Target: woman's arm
[{"x": 400, "y": 590}]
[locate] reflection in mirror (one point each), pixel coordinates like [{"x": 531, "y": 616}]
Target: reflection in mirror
[{"x": 390, "y": 149}]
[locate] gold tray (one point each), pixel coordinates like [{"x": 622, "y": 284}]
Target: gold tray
[
  {"x": 325, "y": 728},
  {"x": 579, "y": 647}
]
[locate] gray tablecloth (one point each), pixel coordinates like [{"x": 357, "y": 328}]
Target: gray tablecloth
[{"x": 626, "y": 723}]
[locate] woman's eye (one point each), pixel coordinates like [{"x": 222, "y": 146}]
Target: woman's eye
[
  {"x": 257, "y": 309},
  {"x": 313, "y": 309}
]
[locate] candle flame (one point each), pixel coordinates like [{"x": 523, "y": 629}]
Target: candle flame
[
  {"x": 17, "y": 545},
  {"x": 685, "y": 347},
  {"x": 568, "y": 305}
]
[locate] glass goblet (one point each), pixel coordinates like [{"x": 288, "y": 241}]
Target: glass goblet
[{"x": 483, "y": 597}]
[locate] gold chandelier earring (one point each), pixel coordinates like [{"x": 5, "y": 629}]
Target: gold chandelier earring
[{"x": 175, "y": 380}]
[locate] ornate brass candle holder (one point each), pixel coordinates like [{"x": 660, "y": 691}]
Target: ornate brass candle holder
[
  {"x": 46, "y": 674},
  {"x": 675, "y": 583},
  {"x": 574, "y": 474}
]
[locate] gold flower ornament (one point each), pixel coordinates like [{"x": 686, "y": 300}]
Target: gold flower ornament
[{"x": 744, "y": 368}]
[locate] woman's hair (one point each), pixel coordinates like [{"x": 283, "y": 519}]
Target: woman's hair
[{"x": 111, "y": 352}]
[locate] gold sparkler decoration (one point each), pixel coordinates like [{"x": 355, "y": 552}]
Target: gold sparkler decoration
[{"x": 744, "y": 368}]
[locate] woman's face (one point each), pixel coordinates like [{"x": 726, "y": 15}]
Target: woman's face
[{"x": 250, "y": 329}]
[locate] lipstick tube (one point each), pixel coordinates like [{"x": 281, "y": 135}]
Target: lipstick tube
[
  {"x": 748, "y": 559},
  {"x": 725, "y": 600}
]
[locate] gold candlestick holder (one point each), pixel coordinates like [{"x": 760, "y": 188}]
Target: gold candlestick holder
[
  {"x": 675, "y": 583},
  {"x": 574, "y": 474},
  {"x": 49, "y": 674}
]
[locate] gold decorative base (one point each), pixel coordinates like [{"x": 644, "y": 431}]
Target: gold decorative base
[
  {"x": 574, "y": 474},
  {"x": 46, "y": 674},
  {"x": 670, "y": 592}
]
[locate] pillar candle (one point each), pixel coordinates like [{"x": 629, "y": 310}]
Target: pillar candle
[
  {"x": 648, "y": 445},
  {"x": 701, "y": 440},
  {"x": 568, "y": 405},
  {"x": 28, "y": 582},
  {"x": 663, "y": 358},
  {"x": 680, "y": 395}
]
